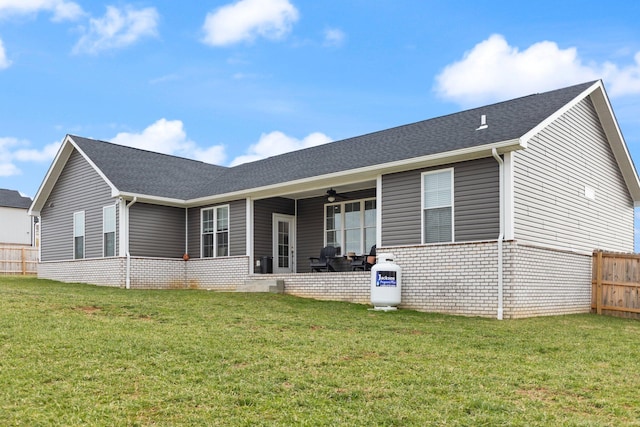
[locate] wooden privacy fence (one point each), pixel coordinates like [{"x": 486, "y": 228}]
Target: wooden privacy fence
[
  {"x": 616, "y": 284},
  {"x": 18, "y": 260}
]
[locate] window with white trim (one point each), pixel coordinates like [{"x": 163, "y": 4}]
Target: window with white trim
[
  {"x": 437, "y": 206},
  {"x": 215, "y": 232},
  {"x": 78, "y": 235},
  {"x": 109, "y": 231},
  {"x": 351, "y": 226}
]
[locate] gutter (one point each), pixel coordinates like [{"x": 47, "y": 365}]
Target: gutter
[
  {"x": 494, "y": 152},
  {"x": 128, "y": 277}
]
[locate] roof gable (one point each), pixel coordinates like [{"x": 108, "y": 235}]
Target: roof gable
[
  {"x": 136, "y": 171},
  {"x": 169, "y": 179},
  {"x": 507, "y": 121}
]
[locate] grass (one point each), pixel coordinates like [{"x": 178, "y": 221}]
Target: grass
[{"x": 81, "y": 355}]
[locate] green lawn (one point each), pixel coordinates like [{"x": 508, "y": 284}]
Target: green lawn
[{"x": 85, "y": 355}]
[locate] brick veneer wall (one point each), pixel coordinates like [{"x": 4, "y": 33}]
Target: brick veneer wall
[
  {"x": 151, "y": 273},
  {"x": 99, "y": 271},
  {"x": 345, "y": 286},
  {"x": 462, "y": 278},
  {"x": 157, "y": 273},
  {"x": 544, "y": 282},
  {"x": 456, "y": 278},
  {"x": 221, "y": 274}
]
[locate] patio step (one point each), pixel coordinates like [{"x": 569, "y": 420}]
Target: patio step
[{"x": 275, "y": 286}]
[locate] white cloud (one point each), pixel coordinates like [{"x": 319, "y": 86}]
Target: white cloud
[
  {"x": 14, "y": 150},
  {"x": 169, "y": 137},
  {"x": 62, "y": 10},
  {"x": 625, "y": 80},
  {"x": 247, "y": 19},
  {"x": 9, "y": 169},
  {"x": 334, "y": 37},
  {"x": 4, "y": 61},
  {"x": 47, "y": 153},
  {"x": 118, "y": 28},
  {"x": 7, "y": 166},
  {"x": 494, "y": 70},
  {"x": 277, "y": 142},
  {"x": 214, "y": 155}
]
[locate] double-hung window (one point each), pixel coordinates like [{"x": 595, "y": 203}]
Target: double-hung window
[
  {"x": 437, "y": 206},
  {"x": 109, "y": 231},
  {"x": 351, "y": 226},
  {"x": 215, "y": 232},
  {"x": 78, "y": 235}
]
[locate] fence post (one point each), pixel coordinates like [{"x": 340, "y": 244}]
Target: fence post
[{"x": 599, "y": 283}]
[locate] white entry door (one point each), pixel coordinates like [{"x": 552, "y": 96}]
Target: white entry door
[{"x": 284, "y": 243}]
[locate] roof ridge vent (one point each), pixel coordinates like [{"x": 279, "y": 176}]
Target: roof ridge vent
[{"x": 483, "y": 122}]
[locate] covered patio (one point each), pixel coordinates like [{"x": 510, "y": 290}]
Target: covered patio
[{"x": 286, "y": 231}]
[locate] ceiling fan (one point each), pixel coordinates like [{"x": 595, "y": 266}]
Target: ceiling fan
[{"x": 332, "y": 195}]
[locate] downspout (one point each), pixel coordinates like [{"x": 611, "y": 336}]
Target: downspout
[
  {"x": 494, "y": 152},
  {"x": 128, "y": 279}
]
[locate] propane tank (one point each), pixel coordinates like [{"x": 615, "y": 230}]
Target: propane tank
[{"x": 386, "y": 286}]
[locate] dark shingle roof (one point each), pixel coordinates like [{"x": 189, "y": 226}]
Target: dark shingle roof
[
  {"x": 138, "y": 171},
  {"x": 144, "y": 172},
  {"x": 13, "y": 199}
]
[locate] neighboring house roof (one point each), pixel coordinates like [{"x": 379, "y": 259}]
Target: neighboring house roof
[
  {"x": 455, "y": 137},
  {"x": 13, "y": 199}
]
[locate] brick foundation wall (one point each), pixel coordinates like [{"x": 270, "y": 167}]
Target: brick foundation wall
[
  {"x": 456, "y": 278},
  {"x": 221, "y": 274},
  {"x": 544, "y": 282},
  {"x": 99, "y": 271},
  {"x": 151, "y": 273},
  {"x": 157, "y": 273},
  {"x": 345, "y": 286}
]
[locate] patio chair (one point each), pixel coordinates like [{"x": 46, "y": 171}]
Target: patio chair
[
  {"x": 364, "y": 262},
  {"x": 323, "y": 262}
]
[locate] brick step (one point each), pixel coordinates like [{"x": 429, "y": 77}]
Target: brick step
[{"x": 275, "y": 286}]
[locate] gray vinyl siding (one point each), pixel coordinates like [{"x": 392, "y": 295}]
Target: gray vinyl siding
[
  {"x": 237, "y": 228},
  {"x": 309, "y": 231},
  {"x": 476, "y": 203},
  {"x": 401, "y": 209},
  {"x": 549, "y": 187},
  {"x": 156, "y": 231},
  {"x": 79, "y": 188},
  {"x": 263, "y": 211},
  {"x": 477, "y": 200}
]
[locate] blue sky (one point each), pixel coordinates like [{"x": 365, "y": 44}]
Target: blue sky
[{"x": 231, "y": 81}]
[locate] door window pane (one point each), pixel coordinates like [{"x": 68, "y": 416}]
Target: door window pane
[{"x": 283, "y": 244}]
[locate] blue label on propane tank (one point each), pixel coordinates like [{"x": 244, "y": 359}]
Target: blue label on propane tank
[{"x": 386, "y": 278}]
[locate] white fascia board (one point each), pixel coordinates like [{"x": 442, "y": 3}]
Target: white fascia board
[
  {"x": 55, "y": 169},
  {"x": 153, "y": 200},
  {"x": 612, "y": 130},
  {"x": 353, "y": 176},
  {"x": 58, "y": 164},
  {"x": 617, "y": 142},
  {"x": 546, "y": 122},
  {"x": 114, "y": 190}
]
